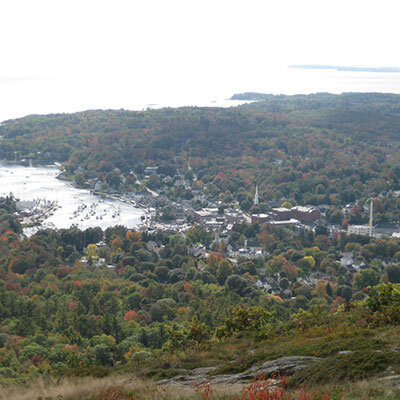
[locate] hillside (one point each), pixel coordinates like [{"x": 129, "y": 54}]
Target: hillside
[
  {"x": 310, "y": 149},
  {"x": 219, "y": 287}
]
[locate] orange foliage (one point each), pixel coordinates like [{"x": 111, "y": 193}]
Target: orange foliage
[
  {"x": 131, "y": 315},
  {"x": 214, "y": 259}
]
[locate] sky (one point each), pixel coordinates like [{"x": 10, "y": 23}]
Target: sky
[{"x": 68, "y": 55}]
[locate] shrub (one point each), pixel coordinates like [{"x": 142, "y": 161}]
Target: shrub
[
  {"x": 383, "y": 302},
  {"x": 253, "y": 320}
]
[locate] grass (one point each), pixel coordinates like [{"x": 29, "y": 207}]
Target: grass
[
  {"x": 370, "y": 352},
  {"x": 130, "y": 388},
  {"x": 87, "y": 388},
  {"x": 347, "y": 367},
  {"x": 107, "y": 388},
  {"x": 237, "y": 355}
]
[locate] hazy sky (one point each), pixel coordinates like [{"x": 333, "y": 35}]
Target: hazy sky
[{"x": 81, "y": 53}]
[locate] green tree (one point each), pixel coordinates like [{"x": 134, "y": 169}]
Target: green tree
[
  {"x": 223, "y": 271},
  {"x": 365, "y": 278}
]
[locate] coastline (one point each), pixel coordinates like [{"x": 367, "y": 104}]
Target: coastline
[{"x": 133, "y": 215}]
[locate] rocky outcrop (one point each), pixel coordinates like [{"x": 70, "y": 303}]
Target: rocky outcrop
[
  {"x": 283, "y": 366},
  {"x": 390, "y": 381}
]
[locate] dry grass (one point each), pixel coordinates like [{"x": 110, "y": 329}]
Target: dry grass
[
  {"x": 88, "y": 388},
  {"x": 68, "y": 389}
]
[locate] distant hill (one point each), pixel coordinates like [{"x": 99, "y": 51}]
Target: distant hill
[
  {"x": 344, "y": 68},
  {"x": 289, "y": 144}
]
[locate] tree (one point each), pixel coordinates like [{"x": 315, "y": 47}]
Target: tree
[
  {"x": 237, "y": 284},
  {"x": 323, "y": 242},
  {"x": 393, "y": 273},
  {"x": 321, "y": 230},
  {"x": 163, "y": 309},
  {"x": 214, "y": 259},
  {"x": 329, "y": 289},
  {"x": 365, "y": 278},
  {"x": 162, "y": 273},
  {"x": 20, "y": 264},
  {"x": 344, "y": 291},
  {"x": 177, "y": 274},
  {"x": 223, "y": 271},
  {"x": 286, "y": 204},
  {"x": 384, "y": 303},
  {"x": 253, "y": 319},
  {"x": 284, "y": 283},
  {"x": 92, "y": 251}
]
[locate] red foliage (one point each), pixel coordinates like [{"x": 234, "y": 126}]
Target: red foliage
[
  {"x": 272, "y": 389},
  {"x": 205, "y": 391},
  {"x": 131, "y": 315},
  {"x": 63, "y": 271}
]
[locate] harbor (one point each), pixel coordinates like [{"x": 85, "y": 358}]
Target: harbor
[{"x": 47, "y": 201}]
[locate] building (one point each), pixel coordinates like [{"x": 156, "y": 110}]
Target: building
[
  {"x": 262, "y": 217},
  {"x": 254, "y": 247},
  {"x": 366, "y": 230},
  {"x": 282, "y": 213},
  {"x": 359, "y": 230},
  {"x": 305, "y": 214},
  {"x": 256, "y": 201},
  {"x": 150, "y": 170},
  {"x": 206, "y": 214},
  {"x": 291, "y": 221}
]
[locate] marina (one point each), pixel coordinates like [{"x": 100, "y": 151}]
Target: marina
[{"x": 47, "y": 201}]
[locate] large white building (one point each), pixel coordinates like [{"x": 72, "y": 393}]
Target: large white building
[
  {"x": 366, "y": 230},
  {"x": 359, "y": 230}
]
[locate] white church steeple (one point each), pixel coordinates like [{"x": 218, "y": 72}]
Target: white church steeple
[{"x": 256, "y": 196}]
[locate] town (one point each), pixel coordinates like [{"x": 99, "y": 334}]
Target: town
[{"x": 231, "y": 232}]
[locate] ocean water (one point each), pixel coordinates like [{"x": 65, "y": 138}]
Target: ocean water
[{"x": 20, "y": 97}]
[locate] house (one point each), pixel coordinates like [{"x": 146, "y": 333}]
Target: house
[
  {"x": 25, "y": 208},
  {"x": 152, "y": 246},
  {"x": 347, "y": 259},
  {"x": 150, "y": 170},
  {"x": 232, "y": 252},
  {"x": 243, "y": 251},
  {"x": 198, "y": 251},
  {"x": 254, "y": 247}
]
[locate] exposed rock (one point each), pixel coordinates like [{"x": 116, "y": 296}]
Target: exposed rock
[
  {"x": 391, "y": 381},
  {"x": 344, "y": 352},
  {"x": 396, "y": 349},
  {"x": 389, "y": 370},
  {"x": 282, "y": 366}
]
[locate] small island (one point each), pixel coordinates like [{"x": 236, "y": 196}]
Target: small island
[{"x": 344, "y": 68}]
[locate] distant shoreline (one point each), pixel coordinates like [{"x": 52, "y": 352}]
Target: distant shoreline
[{"x": 343, "y": 68}]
